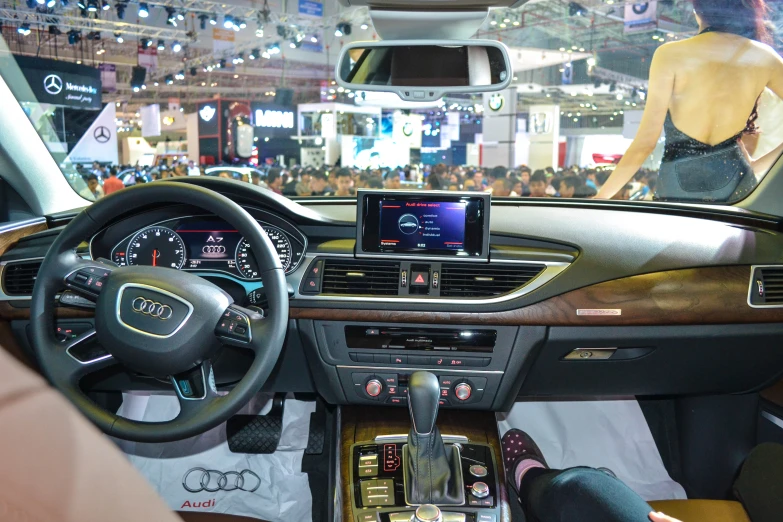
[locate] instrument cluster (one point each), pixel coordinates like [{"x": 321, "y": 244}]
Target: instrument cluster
[{"x": 204, "y": 243}]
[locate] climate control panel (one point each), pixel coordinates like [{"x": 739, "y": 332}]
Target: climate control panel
[{"x": 392, "y": 388}]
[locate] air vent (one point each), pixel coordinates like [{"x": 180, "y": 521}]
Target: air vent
[
  {"x": 766, "y": 286},
  {"x": 360, "y": 277},
  {"x": 485, "y": 281},
  {"x": 19, "y": 277}
]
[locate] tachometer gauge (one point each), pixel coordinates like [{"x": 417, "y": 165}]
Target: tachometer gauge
[
  {"x": 156, "y": 246},
  {"x": 246, "y": 263}
]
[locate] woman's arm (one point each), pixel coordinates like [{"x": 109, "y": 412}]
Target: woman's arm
[
  {"x": 659, "y": 94},
  {"x": 763, "y": 163}
]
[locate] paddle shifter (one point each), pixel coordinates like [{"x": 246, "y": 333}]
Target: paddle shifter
[{"x": 432, "y": 470}]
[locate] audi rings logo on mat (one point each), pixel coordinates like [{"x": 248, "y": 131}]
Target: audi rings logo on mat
[
  {"x": 213, "y": 249},
  {"x": 152, "y": 308},
  {"x": 197, "y": 480}
]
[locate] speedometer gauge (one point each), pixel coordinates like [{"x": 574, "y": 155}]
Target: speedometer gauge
[
  {"x": 156, "y": 246},
  {"x": 246, "y": 262}
]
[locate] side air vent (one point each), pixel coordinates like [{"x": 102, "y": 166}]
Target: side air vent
[
  {"x": 485, "y": 281},
  {"x": 19, "y": 277},
  {"x": 360, "y": 277},
  {"x": 766, "y": 286}
]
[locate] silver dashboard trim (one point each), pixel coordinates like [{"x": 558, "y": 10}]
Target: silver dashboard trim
[
  {"x": 551, "y": 270},
  {"x": 8, "y": 227},
  {"x": 403, "y": 437},
  {"x": 777, "y": 421},
  {"x": 441, "y": 369},
  {"x": 750, "y": 286}
]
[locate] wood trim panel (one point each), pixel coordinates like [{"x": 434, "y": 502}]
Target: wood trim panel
[
  {"x": 361, "y": 424},
  {"x": 11, "y": 237},
  {"x": 773, "y": 394},
  {"x": 8, "y": 312},
  {"x": 710, "y": 295}
]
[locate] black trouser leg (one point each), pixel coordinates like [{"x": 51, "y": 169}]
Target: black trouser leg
[
  {"x": 760, "y": 484},
  {"x": 579, "y": 495}
]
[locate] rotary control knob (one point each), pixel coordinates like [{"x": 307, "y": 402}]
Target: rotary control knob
[
  {"x": 463, "y": 391},
  {"x": 480, "y": 490},
  {"x": 428, "y": 513},
  {"x": 373, "y": 387}
]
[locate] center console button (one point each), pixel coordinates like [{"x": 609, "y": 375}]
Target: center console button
[
  {"x": 418, "y": 359},
  {"x": 463, "y": 391},
  {"x": 428, "y": 513},
  {"x": 477, "y": 470},
  {"x": 373, "y": 387},
  {"x": 364, "y": 357},
  {"x": 382, "y": 358},
  {"x": 480, "y": 490},
  {"x": 399, "y": 359}
]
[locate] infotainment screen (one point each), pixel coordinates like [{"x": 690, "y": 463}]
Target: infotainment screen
[{"x": 415, "y": 224}]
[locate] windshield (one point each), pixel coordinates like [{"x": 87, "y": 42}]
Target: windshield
[{"x": 668, "y": 101}]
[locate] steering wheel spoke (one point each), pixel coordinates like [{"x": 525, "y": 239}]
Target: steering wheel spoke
[
  {"x": 80, "y": 357},
  {"x": 242, "y": 327},
  {"x": 195, "y": 389}
]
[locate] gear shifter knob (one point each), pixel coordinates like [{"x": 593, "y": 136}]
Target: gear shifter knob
[{"x": 423, "y": 392}]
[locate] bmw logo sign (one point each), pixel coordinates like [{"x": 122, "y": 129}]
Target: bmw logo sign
[{"x": 496, "y": 102}]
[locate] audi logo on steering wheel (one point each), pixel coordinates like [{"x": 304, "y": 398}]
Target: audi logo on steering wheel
[
  {"x": 152, "y": 308},
  {"x": 213, "y": 249},
  {"x": 197, "y": 480}
]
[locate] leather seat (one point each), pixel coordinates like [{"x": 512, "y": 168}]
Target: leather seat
[
  {"x": 56, "y": 466},
  {"x": 702, "y": 510}
]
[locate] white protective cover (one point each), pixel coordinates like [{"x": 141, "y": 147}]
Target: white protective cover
[
  {"x": 611, "y": 434},
  {"x": 284, "y": 490}
]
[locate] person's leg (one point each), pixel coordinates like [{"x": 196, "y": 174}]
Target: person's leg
[
  {"x": 579, "y": 495},
  {"x": 760, "y": 484},
  {"x": 573, "y": 495}
]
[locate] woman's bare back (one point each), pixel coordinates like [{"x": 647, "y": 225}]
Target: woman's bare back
[{"x": 717, "y": 79}]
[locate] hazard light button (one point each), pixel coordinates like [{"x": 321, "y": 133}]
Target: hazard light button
[{"x": 420, "y": 279}]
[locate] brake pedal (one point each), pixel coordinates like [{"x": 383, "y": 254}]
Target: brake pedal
[{"x": 259, "y": 434}]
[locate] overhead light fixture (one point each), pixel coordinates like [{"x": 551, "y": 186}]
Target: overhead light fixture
[
  {"x": 228, "y": 22},
  {"x": 145, "y": 42},
  {"x": 180, "y": 75},
  {"x": 74, "y": 37},
  {"x": 51, "y": 3},
  {"x": 274, "y": 48},
  {"x": 266, "y": 55},
  {"x": 575, "y": 9},
  {"x": 314, "y": 39},
  {"x": 254, "y": 54},
  {"x": 202, "y": 19},
  {"x": 170, "y": 18},
  {"x": 144, "y": 10},
  {"x": 364, "y": 27},
  {"x": 105, "y": 5},
  {"x": 193, "y": 71},
  {"x": 213, "y": 19},
  {"x": 119, "y": 37},
  {"x": 242, "y": 24},
  {"x": 176, "y": 47},
  {"x": 54, "y": 30},
  {"x": 81, "y": 4},
  {"x": 180, "y": 16},
  {"x": 343, "y": 29},
  {"x": 120, "y": 7},
  {"x": 161, "y": 45},
  {"x": 24, "y": 29},
  {"x": 169, "y": 79},
  {"x": 222, "y": 63},
  {"x": 260, "y": 31}
]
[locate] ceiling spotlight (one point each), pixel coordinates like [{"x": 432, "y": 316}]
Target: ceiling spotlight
[
  {"x": 51, "y": 3},
  {"x": 119, "y": 37},
  {"x": 266, "y": 55},
  {"x": 180, "y": 75},
  {"x": 222, "y": 63},
  {"x": 24, "y": 29},
  {"x": 260, "y": 31},
  {"x": 145, "y": 42},
  {"x": 180, "y": 16},
  {"x": 228, "y": 22},
  {"x": 274, "y": 48},
  {"x": 176, "y": 47},
  {"x": 242, "y": 24},
  {"x": 213, "y": 19},
  {"x": 74, "y": 37},
  {"x": 40, "y": 2},
  {"x": 136, "y": 89},
  {"x": 193, "y": 71},
  {"x": 169, "y": 79},
  {"x": 343, "y": 28},
  {"x": 612, "y": 87},
  {"x": 202, "y": 20},
  {"x": 364, "y": 27},
  {"x": 120, "y": 10},
  {"x": 575, "y": 9},
  {"x": 144, "y": 10},
  {"x": 161, "y": 45},
  {"x": 293, "y": 44},
  {"x": 314, "y": 39},
  {"x": 92, "y": 6},
  {"x": 54, "y": 30},
  {"x": 281, "y": 31},
  {"x": 170, "y": 18},
  {"x": 81, "y": 4},
  {"x": 105, "y": 5},
  {"x": 254, "y": 54}
]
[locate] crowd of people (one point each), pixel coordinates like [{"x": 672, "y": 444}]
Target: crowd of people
[{"x": 522, "y": 181}]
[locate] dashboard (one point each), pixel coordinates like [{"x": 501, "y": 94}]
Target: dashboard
[{"x": 663, "y": 294}]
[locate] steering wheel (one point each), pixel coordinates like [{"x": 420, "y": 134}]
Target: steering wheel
[{"x": 157, "y": 321}]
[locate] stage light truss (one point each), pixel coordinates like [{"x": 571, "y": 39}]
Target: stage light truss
[{"x": 66, "y": 22}]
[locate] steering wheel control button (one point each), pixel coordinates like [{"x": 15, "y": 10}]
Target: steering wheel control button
[
  {"x": 463, "y": 391},
  {"x": 374, "y": 387},
  {"x": 480, "y": 490},
  {"x": 72, "y": 299},
  {"x": 478, "y": 471},
  {"x": 184, "y": 388},
  {"x": 234, "y": 326},
  {"x": 191, "y": 385},
  {"x": 90, "y": 279}
]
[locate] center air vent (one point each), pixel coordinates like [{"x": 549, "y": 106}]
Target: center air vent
[
  {"x": 360, "y": 277},
  {"x": 766, "y": 286},
  {"x": 19, "y": 277},
  {"x": 465, "y": 280}
]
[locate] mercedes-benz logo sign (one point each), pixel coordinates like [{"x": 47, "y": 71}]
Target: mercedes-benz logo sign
[
  {"x": 408, "y": 224},
  {"x": 101, "y": 134},
  {"x": 53, "y": 84},
  {"x": 152, "y": 308},
  {"x": 197, "y": 480}
]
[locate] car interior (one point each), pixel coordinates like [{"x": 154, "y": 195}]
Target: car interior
[{"x": 372, "y": 350}]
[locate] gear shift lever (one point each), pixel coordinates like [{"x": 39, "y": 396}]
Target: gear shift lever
[{"x": 432, "y": 471}]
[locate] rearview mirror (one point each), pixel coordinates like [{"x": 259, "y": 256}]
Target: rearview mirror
[{"x": 424, "y": 70}]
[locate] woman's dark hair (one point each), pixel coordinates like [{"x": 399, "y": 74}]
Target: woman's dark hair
[{"x": 741, "y": 17}]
